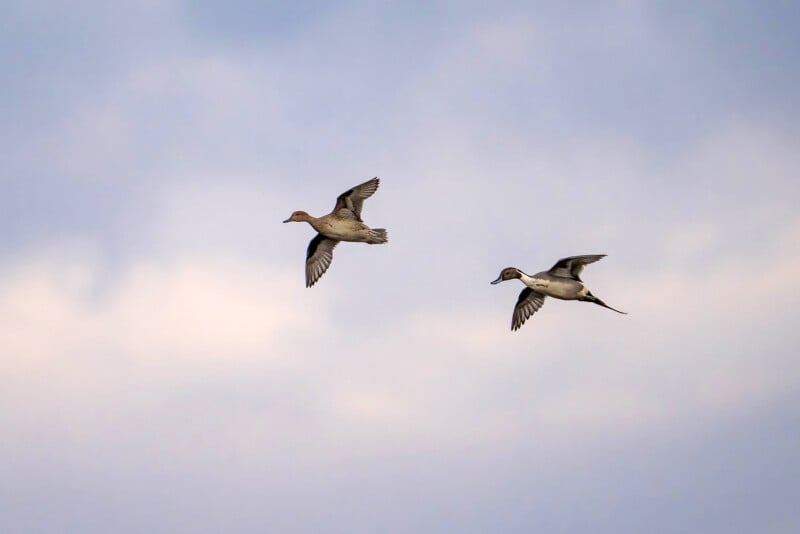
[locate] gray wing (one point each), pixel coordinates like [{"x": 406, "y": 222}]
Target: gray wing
[
  {"x": 318, "y": 258},
  {"x": 349, "y": 203},
  {"x": 528, "y": 303},
  {"x": 571, "y": 267}
]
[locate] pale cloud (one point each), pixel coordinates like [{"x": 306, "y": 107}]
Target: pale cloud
[
  {"x": 191, "y": 310},
  {"x": 203, "y": 309},
  {"x": 202, "y": 314},
  {"x": 231, "y": 354},
  {"x": 160, "y": 351}
]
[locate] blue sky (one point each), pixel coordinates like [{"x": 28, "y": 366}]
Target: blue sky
[{"x": 164, "y": 369}]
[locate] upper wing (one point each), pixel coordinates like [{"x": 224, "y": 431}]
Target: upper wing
[
  {"x": 528, "y": 303},
  {"x": 318, "y": 258},
  {"x": 349, "y": 203},
  {"x": 571, "y": 267}
]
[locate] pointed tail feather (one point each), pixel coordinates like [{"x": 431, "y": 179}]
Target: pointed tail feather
[
  {"x": 592, "y": 298},
  {"x": 603, "y": 304}
]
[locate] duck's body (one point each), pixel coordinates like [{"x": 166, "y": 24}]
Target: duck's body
[
  {"x": 562, "y": 281},
  {"x": 554, "y": 286},
  {"x": 342, "y": 224},
  {"x": 340, "y": 229}
]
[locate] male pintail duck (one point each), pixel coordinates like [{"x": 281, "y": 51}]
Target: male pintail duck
[
  {"x": 342, "y": 224},
  {"x": 562, "y": 281}
]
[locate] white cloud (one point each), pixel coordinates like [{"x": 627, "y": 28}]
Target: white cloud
[
  {"x": 71, "y": 345},
  {"x": 188, "y": 312},
  {"x": 179, "y": 324},
  {"x": 199, "y": 351}
]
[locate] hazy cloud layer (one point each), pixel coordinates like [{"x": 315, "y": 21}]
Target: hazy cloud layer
[{"x": 163, "y": 368}]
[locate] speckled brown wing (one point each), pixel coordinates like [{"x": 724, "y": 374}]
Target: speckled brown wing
[
  {"x": 318, "y": 258},
  {"x": 349, "y": 203}
]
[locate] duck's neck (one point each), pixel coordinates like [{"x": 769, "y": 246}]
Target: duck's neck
[{"x": 314, "y": 222}]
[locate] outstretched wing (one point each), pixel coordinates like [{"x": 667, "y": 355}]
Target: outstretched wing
[
  {"x": 571, "y": 267},
  {"x": 349, "y": 203},
  {"x": 318, "y": 258},
  {"x": 528, "y": 303}
]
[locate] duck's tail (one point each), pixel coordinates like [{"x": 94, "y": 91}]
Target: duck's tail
[
  {"x": 377, "y": 236},
  {"x": 591, "y": 298}
]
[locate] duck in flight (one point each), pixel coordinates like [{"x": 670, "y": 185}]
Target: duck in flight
[
  {"x": 562, "y": 281},
  {"x": 342, "y": 224}
]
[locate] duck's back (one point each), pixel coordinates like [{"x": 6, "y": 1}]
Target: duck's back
[{"x": 342, "y": 229}]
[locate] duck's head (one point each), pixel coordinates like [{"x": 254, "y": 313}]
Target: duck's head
[
  {"x": 509, "y": 273},
  {"x": 298, "y": 216}
]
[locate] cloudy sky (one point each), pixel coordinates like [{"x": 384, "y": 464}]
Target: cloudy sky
[{"x": 164, "y": 369}]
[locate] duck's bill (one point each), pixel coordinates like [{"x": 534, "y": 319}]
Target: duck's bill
[
  {"x": 288, "y": 220},
  {"x": 499, "y": 279}
]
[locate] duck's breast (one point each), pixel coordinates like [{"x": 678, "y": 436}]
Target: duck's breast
[{"x": 560, "y": 288}]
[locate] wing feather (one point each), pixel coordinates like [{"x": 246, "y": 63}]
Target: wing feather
[
  {"x": 318, "y": 258},
  {"x": 528, "y": 303},
  {"x": 349, "y": 203},
  {"x": 571, "y": 267}
]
